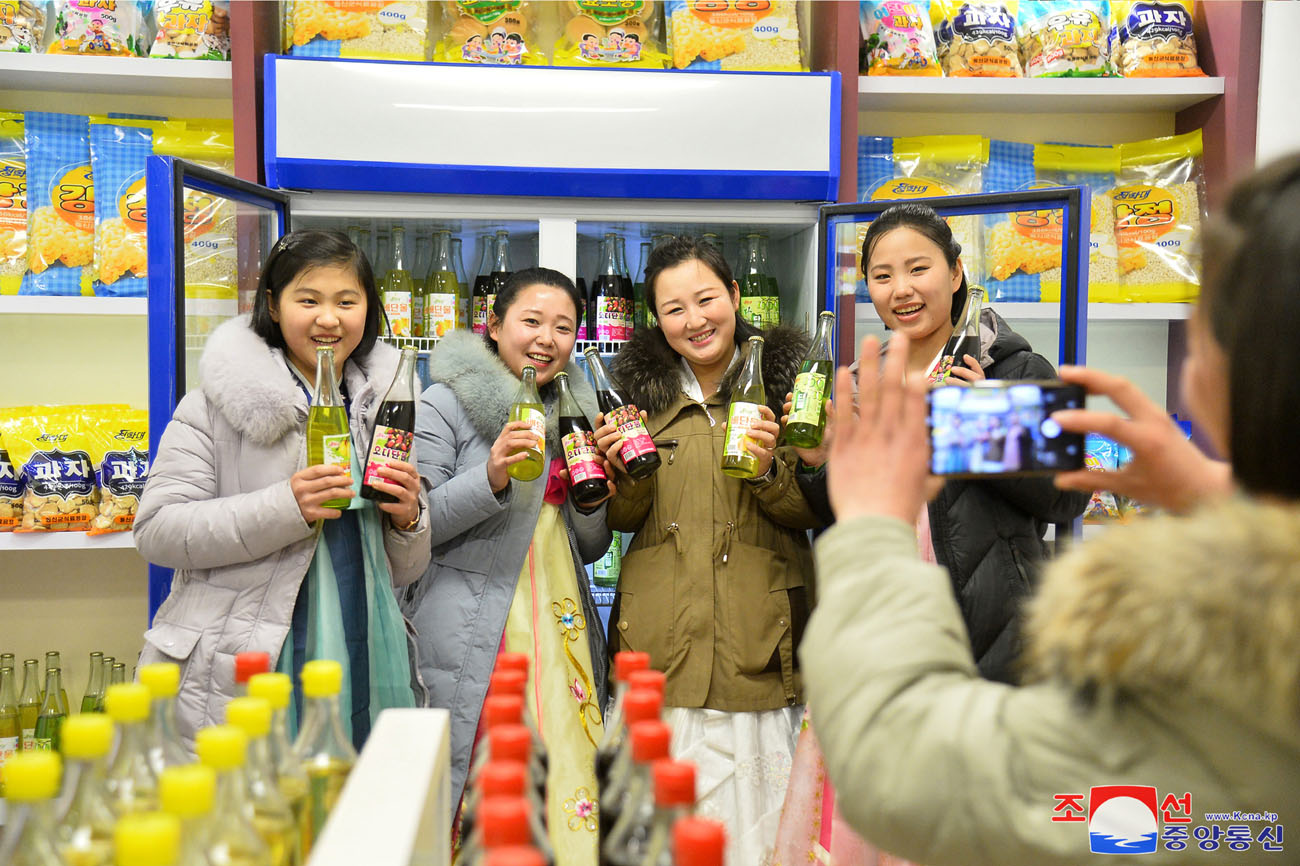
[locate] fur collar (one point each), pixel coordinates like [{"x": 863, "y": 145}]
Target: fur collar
[
  {"x": 650, "y": 371},
  {"x": 486, "y": 388},
  {"x": 251, "y": 386},
  {"x": 1207, "y": 605}
]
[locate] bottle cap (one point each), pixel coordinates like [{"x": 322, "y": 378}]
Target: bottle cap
[
  {"x": 504, "y": 821},
  {"x": 510, "y": 743},
  {"x": 562, "y": 375},
  {"x": 699, "y": 842},
  {"x": 86, "y": 736},
  {"x": 653, "y": 680},
  {"x": 163, "y": 680},
  {"x": 147, "y": 839},
  {"x": 642, "y": 705},
  {"x": 250, "y": 664},
  {"x": 674, "y": 783},
  {"x": 127, "y": 702},
  {"x": 187, "y": 791},
  {"x": 274, "y": 688},
  {"x": 503, "y": 710},
  {"x": 32, "y": 776},
  {"x": 221, "y": 747},
  {"x": 322, "y": 678},
  {"x": 650, "y": 742},
  {"x": 251, "y": 715},
  {"x": 515, "y": 855},
  {"x": 508, "y": 683},
  {"x": 626, "y": 662},
  {"x": 503, "y": 779},
  {"x": 513, "y": 662}
]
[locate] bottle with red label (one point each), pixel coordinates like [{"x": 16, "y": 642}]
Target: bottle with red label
[
  {"x": 587, "y": 482},
  {"x": 637, "y": 450},
  {"x": 611, "y": 296},
  {"x": 394, "y": 428},
  {"x": 481, "y": 297}
]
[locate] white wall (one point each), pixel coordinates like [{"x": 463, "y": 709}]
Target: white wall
[{"x": 1279, "y": 98}]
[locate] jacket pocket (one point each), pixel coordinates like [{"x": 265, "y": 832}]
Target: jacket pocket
[
  {"x": 646, "y": 610},
  {"x": 767, "y": 607},
  {"x": 176, "y": 642}
]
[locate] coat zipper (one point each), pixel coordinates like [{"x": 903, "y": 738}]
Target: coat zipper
[
  {"x": 726, "y": 540},
  {"x": 676, "y": 532},
  {"x": 671, "y": 445}
]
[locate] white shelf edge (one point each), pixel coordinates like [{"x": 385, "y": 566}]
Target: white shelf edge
[
  {"x": 38, "y": 305},
  {"x": 1052, "y": 312},
  {"x": 1034, "y": 95},
  {"x": 65, "y": 541},
  {"x": 71, "y": 73}
]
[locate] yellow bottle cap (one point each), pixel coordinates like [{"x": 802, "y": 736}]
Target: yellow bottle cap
[
  {"x": 322, "y": 678},
  {"x": 221, "y": 747},
  {"x": 147, "y": 839},
  {"x": 274, "y": 688},
  {"x": 87, "y": 736},
  {"x": 188, "y": 791},
  {"x": 31, "y": 776},
  {"x": 162, "y": 679},
  {"x": 251, "y": 715},
  {"x": 127, "y": 702}
]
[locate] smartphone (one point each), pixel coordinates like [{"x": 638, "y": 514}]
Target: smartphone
[{"x": 1000, "y": 428}]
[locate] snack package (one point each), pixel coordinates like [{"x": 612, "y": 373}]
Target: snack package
[
  {"x": 1153, "y": 40},
  {"x": 51, "y": 448},
  {"x": 1159, "y": 205},
  {"x": 191, "y": 29},
  {"x": 22, "y": 25},
  {"x": 1064, "y": 39},
  {"x": 13, "y": 202},
  {"x": 120, "y": 454},
  {"x": 12, "y": 483},
  {"x": 610, "y": 33},
  {"x": 501, "y": 32},
  {"x": 977, "y": 39},
  {"x": 60, "y": 204},
  {"x": 90, "y": 27},
  {"x": 117, "y": 157},
  {"x": 762, "y": 38},
  {"x": 377, "y": 29},
  {"x": 899, "y": 38},
  {"x": 1100, "y": 455}
]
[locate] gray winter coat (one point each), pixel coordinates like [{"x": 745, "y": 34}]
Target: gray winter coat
[
  {"x": 218, "y": 508},
  {"x": 480, "y": 539}
]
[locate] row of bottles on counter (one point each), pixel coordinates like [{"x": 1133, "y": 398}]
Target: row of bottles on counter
[
  {"x": 256, "y": 797},
  {"x": 30, "y": 717}
]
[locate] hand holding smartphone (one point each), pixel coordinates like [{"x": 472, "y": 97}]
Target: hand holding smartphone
[{"x": 1000, "y": 428}]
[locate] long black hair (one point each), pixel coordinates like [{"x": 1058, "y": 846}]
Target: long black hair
[
  {"x": 923, "y": 219},
  {"x": 680, "y": 249}
]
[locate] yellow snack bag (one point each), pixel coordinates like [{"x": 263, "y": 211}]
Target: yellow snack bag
[
  {"x": 13, "y": 202},
  {"x": 52, "y": 451},
  {"x": 899, "y": 38},
  {"x": 760, "y": 37},
  {"x": 493, "y": 32},
  {"x": 120, "y": 454},
  {"x": 1153, "y": 40},
  {"x": 378, "y": 29},
  {"x": 621, "y": 33}
]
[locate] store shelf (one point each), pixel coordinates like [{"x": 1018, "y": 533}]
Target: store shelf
[
  {"x": 1051, "y": 312},
  {"x": 37, "y": 305},
  {"x": 140, "y": 76},
  {"x": 1034, "y": 95},
  {"x": 65, "y": 541}
]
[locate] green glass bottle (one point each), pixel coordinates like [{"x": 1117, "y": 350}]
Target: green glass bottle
[
  {"x": 50, "y": 719},
  {"x": 54, "y": 660},
  {"x": 11, "y": 732},
  {"x": 753, "y": 282},
  {"x": 444, "y": 291},
  {"x": 95, "y": 685},
  {"x": 528, "y": 407},
  {"x": 812, "y": 385},
  {"x": 772, "y": 293},
  {"x": 743, "y": 413},
  {"x": 29, "y": 703},
  {"x": 328, "y": 438},
  {"x": 399, "y": 291}
]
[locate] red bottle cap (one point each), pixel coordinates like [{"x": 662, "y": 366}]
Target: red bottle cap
[
  {"x": 504, "y": 821},
  {"x": 650, "y": 742},
  {"x": 653, "y": 680},
  {"x": 642, "y": 705},
  {"x": 503, "y": 779},
  {"x": 513, "y": 662},
  {"x": 674, "y": 783},
  {"x": 699, "y": 842},
  {"x": 510, "y": 743},
  {"x": 508, "y": 683},
  {"x": 626, "y": 662},
  {"x": 503, "y": 710},
  {"x": 516, "y": 855},
  {"x": 248, "y": 664}
]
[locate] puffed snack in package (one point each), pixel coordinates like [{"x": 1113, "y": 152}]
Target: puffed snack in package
[
  {"x": 119, "y": 443},
  {"x": 1060, "y": 40},
  {"x": 51, "y": 448},
  {"x": 620, "y": 33},
  {"x": 976, "y": 39},
  {"x": 191, "y": 29},
  {"x": 899, "y": 38},
  {"x": 1159, "y": 206},
  {"x": 12, "y": 483},
  {"x": 1153, "y": 40},
  {"x": 91, "y": 27},
  {"x": 374, "y": 29},
  {"x": 22, "y": 25},
  {"x": 13, "y": 202},
  {"x": 118, "y": 150},
  {"x": 495, "y": 32},
  {"x": 60, "y": 205},
  {"x": 757, "y": 37}
]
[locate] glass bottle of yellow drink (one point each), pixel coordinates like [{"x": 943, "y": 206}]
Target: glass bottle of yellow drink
[
  {"x": 399, "y": 291},
  {"x": 165, "y": 749},
  {"x": 234, "y": 839},
  {"x": 737, "y": 460},
  {"x": 131, "y": 781},
  {"x": 54, "y": 660},
  {"x": 322, "y": 748},
  {"x": 11, "y": 732},
  {"x": 328, "y": 439},
  {"x": 107, "y": 678},
  {"x": 277, "y": 689},
  {"x": 148, "y": 839},
  {"x": 29, "y": 703},
  {"x": 812, "y": 385},
  {"x": 462, "y": 279},
  {"x": 118, "y": 675},
  {"x": 528, "y": 407},
  {"x": 445, "y": 290},
  {"x": 272, "y": 815},
  {"x": 32, "y": 783},
  {"x": 84, "y": 836},
  {"x": 188, "y": 792},
  {"x": 94, "y": 683},
  {"x": 54, "y": 709}
]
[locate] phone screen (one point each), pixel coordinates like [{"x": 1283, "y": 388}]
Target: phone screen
[{"x": 1003, "y": 428}]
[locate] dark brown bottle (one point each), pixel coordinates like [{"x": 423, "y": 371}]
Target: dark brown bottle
[
  {"x": 394, "y": 428},
  {"x": 637, "y": 450},
  {"x": 587, "y": 482}
]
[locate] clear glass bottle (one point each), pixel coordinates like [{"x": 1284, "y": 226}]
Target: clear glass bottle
[
  {"x": 329, "y": 439},
  {"x": 398, "y": 288},
  {"x": 642, "y": 315},
  {"x": 272, "y": 815},
  {"x": 54, "y": 709},
  {"x": 674, "y": 783},
  {"x": 31, "y": 784},
  {"x": 753, "y": 282},
  {"x": 607, "y": 295},
  {"x": 482, "y": 297},
  {"x": 771, "y": 291},
  {"x": 188, "y": 793},
  {"x": 615, "y": 732},
  {"x": 84, "y": 836},
  {"x": 165, "y": 748},
  {"x": 11, "y": 731},
  {"x": 109, "y": 661},
  {"x": 94, "y": 684},
  {"x": 528, "y": 407},
  {"x": 234, "y": 838},
  {"x": 640, "y": 705},
  {"x": 131, "y": 781},
  {"x": 812, "y": 385},
  {"x": 148, "y": 839},
  {"x": 29, "y": 703},
  {"x": 631, "y": 814},
  {"x": 444, "y": 289},
  {"x": 636, "y": 450},
  {"x": 54, "y": 660},
  {"x": 627, "y": 309},
  {"x": 744, "y": 412},
  {"x": 588, "y": 486},
  {"x": 325, "y": 752},
  {"x": 277, "y": 690},
  {"x": 394, "y": 432},
  {"x": 965, "y": 339},
  {"x": 462, "y": 279},
  {"x": 118, "y": 675}
]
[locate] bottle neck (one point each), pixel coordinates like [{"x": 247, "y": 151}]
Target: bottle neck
[
  {"x": 322, "y": 731},
  {"x": 326, "y": 382},
  {"x": 399, "y": 250},
  {"x": 442, "y": 253},
  {"x": 278, "y": 742},
  {"x": 486, "y": 259},
  {"x": 89, "y": 773},
  {"x": 228, "y": 798},
  {"x": 131, "y": 743},
  {"x": 502, "y": 264}
]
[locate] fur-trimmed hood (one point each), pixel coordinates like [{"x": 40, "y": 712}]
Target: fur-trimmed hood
[
  {"x": 1207, "y": 604},
  {"x": 251, "y": 385},
  {"x": 650, "y": 371},
  {"x": 486, "y": 388}
]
